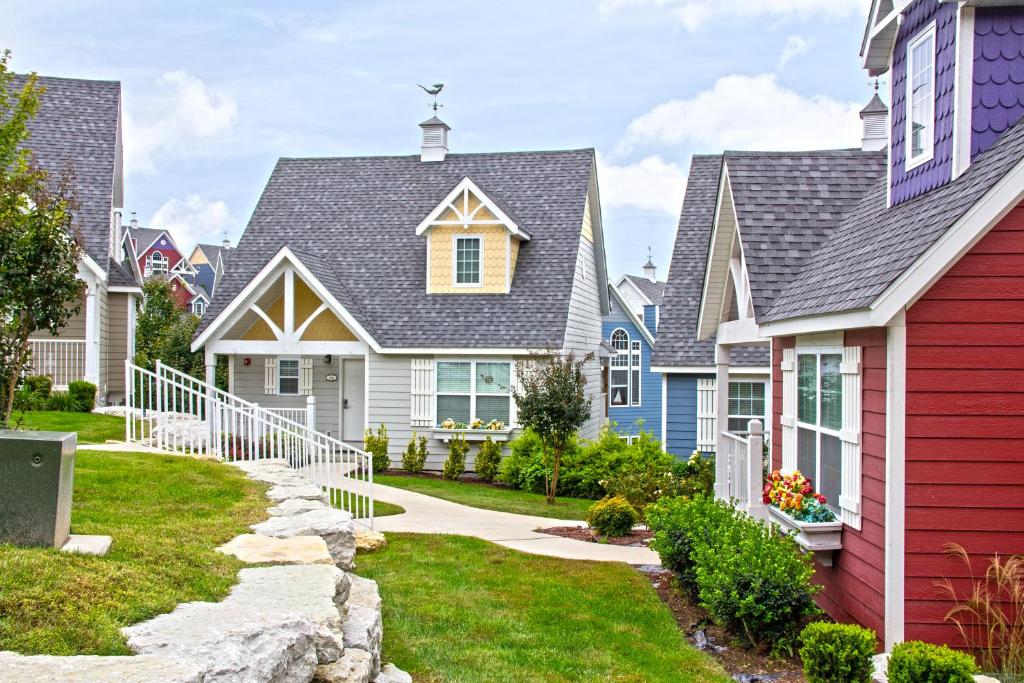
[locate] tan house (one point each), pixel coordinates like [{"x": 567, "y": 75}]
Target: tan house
[
  {"x": 80, "y": 121},
  {"x": 402, "y": 290}
]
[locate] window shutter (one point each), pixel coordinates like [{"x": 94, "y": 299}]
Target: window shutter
[
  {"x": 422, "y": 385},
  {"x": 269, "y": 376},
  {"x": 305, "y": 376},
  {"x": 849, "y": 498},
  {"x": 706, "y": 441},
  {"x": 788, "y": 367}
]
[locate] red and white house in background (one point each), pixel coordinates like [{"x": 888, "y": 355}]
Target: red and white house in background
[
  {"x": 894, "y": 316},
  {"x": 159, "y": 256}
]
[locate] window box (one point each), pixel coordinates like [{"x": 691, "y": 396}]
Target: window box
[
  {"x": 446, "y": 435},
  {"x": 820, "y": 538}
]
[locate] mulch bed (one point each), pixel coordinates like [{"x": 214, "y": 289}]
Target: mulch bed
[
  {"x": 639, "y": 537},
  {"x": 741, "y": 663}
]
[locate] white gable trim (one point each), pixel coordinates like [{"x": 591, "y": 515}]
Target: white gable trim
[
  {"x": 459, "y": 193},
  {"x": 717, "y": 270},
  {"x": 628, "y": 280},
  {"x": 93, "y": 267},
  {"x": 234, "y": 310},
  {"x": 639, "y": 324},
  {"x": 163, "y": 233}
]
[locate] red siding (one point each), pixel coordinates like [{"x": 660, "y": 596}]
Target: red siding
[{"x": 965, "y": 422}]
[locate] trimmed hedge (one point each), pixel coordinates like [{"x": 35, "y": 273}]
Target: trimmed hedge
[
  {"x": 917, "y": 662},
  {"x": 83, "y": 394},
  {"x": 837, "y": 653}
]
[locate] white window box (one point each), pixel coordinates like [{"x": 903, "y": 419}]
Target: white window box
[
  {"x": 820, "y": 538},
  {"x": 446, "y": 435}
]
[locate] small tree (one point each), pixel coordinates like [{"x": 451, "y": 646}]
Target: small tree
[
  {"x": 39, "y": 241},
  {"x": 163, "y": 331},
  {"x": 550, "y": 400}
]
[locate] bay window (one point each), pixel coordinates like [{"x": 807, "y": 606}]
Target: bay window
[
  {"x": 819, "y": 421},
  {"x": 468, "y": 390}
]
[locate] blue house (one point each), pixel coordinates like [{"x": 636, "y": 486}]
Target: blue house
[
  {"x": 685, "y": 367},
  {"x": 633, "y": 392},
  {"x": 208, "y": 261}
]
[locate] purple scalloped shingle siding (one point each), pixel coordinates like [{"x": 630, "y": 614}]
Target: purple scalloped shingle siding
[
  {"x": 998, "y": 97},
  {"x": 937, "y": 171}
]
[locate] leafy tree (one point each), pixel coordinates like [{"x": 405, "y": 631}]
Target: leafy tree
[
  {"x": 40, "y": 245},
  {"x": 164, "y": 332},
  {"x": 550, "y": 400}
]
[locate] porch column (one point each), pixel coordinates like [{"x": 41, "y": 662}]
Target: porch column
[
  {"x": 211, "y": 414},
  {"x": 211, "y": 368},
  {"x": 721, "y": 421},
  {"x": 755, "y": 469},
  {"x": 92, "y": 339}
]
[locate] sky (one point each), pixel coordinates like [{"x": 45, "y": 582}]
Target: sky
[{"x": 215, "y": 92}]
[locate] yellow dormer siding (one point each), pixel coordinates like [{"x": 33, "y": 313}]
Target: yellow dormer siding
[
  {"x": 311, "y": 316},
  {"x": 494, "y": 257}
]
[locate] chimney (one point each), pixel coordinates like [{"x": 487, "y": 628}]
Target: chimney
[
  {"x": 435, "y": 140},
  {"x": 876, "y": 125},
  {"x": 649, "y": 270}
]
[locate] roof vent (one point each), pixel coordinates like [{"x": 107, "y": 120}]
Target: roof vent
[
  {"x": 435, "y": 139},
  {"x": 876, "y": 125}
]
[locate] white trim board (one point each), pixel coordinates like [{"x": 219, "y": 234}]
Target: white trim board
[
  {"x": 895, "y": 481},
  {"x": 708, "y": 370},
  {"x": 469, "y": 219},
  {"x": 639, "y": 324}
]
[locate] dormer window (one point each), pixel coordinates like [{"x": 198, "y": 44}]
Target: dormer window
[
  {"x": 467, "y": 261},
  {"x": 157, "y": 264},
  {"x": 920, "y": 98}
]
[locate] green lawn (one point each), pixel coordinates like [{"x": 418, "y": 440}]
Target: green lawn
[
  {"x": 489, "y": 497},
  {"x": 462, "y": 610},
  {"x": 91, "y": 428},
  {"x": 382, "y": 509},
  {"x": 167, "y": 514}
]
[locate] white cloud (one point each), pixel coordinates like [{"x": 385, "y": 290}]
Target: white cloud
[
  {"x": 796, "y": 46},
  {"x": 651, "y": 183},
  {"x": 194, "y": 219},
  {"x": 186, "y": 116},
  {"x": 692, "y": 14},
  {"x": 749, "y": 113}
]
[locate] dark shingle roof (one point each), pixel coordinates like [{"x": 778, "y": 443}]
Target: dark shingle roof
[
  {"x": 655, "y": 291},
  {"x": 212, "y": 252},
  {"x": 874, "y": 245},
  {"x": 352, "y": 222},
  {"x": 78, "y": 122},
  {"x": 676, "y": 343},
  {"x": 788, "y": 204},
  {"x": 144, "y": 237},
  {"x": 875, "y": 106}
]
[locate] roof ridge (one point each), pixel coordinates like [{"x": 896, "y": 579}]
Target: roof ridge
[
  {"x": 845, "y": 151},
  {"x": 449, "y": 156}
]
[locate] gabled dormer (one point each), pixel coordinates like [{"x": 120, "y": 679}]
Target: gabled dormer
[
  {"x": 473, "y": 243},
  {"x": 956, "y": 78}
]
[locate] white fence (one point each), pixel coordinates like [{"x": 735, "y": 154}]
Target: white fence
[
  {"x": 176, "y": 412},
  {"x": 739, "y": 468},
  {"x": 300, "y": 415},
  {"x": 62, "y": 360}
]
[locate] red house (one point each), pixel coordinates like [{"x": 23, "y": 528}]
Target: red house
[
  {"x": 889, "y": 287},
  {"x": 159, "y": 256}
]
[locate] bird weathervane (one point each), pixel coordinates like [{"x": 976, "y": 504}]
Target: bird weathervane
[{"x": 434, "y": 91}]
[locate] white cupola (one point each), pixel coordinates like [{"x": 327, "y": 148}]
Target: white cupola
[
  {"x": 876, "y": 125},
  {"x": 435, "y": 139}
]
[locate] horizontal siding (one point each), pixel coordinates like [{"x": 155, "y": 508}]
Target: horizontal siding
[
  {"x": 115, "y": 344},
  {"x": 649, "y": 410},
  {"x": 965, "y": 423},
  {"x": 249, "y": 386},
  {"x": 681, "y": 414}
]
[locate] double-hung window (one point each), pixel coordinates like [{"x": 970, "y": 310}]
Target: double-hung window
[
  {"x": 819, "y": 422},
  {"x": 468, "y": 390},
  {"x": 467, "y": 261},
  {"x": 288, "y": 376},
  {"x": 920, "y": 103},
  {"x": 746, "y": 403},
  {"x": 157, "y": 263},
  {"x": 624, "y": 371}
]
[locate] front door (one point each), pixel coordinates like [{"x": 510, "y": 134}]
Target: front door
[{"x": 353, "y": 407}]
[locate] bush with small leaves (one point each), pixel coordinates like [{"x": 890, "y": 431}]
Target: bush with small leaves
[
  {"x": 84, "y": 395},
  {"x": 916, "y": 662},
  {"x": 837, "y": 653},
  {"x": 377, "y": 446},
  {"x": 613, "y": 516},
  {"x": 488, "y": 460},
  {"x": 62, "y": 401},
  {"x": 38, "y": 384},
  {"x": 455, "y": 465},
  {"x": 415, "y": 455}
]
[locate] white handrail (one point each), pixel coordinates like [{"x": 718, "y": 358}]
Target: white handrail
[
  {"x": 175, "y": 412},
  {"x": 744, "y": 468}
]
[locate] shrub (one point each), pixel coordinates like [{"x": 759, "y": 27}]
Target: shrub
[
  {"x": 38, "y": 384},
  {"x": 525, "y": 467},
  {"x": 26, "y": 399},
  {"x": 837, "y": 653},
  {"x": 646, "y": 475},
  {"x": 587, "y": 470},
  {"x": 415, "y": 455},
  {"x": 612, "y": 516},
  {"x": 84, "y": 395},
  {"x": 695, "y": 475},
  {"x": 377, "y": 446},
  {"x": 488, "y": 460},
  {"x": 61, "y": 401},
  {"x": 455, "y": 465},
  {"x": 917, "y": 662},
  {"x": 679, "y": 526}
]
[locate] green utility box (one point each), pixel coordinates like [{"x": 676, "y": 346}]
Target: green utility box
[{"x": 36, "y": 476}]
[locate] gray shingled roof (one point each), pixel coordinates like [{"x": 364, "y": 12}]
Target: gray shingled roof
[
  {"x": 145, "y": 237},
  {"x": 655, "y": 291},
  {"x": 874, "y": 245},
  {"x": 352, "y": 222},
  {"x": 78, "y": 122},
  {"x": 788, "y": 204},
  {"x": 676, "y": 343},
  {"x": 212, "y": 252}
]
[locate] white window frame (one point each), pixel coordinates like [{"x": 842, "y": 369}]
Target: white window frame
[
  {"x": 199, "y": 307},
  {"x": 636, "y": 373},
  {"x": 150, "y": 261},
  {"x": 473, "y": 393},
  {"x": 911, "y": 161},
  {"x": 298, "y": 375},
  {"x": 455, "y": 260},
  {"x": 628, "y": 367},
  {"x": 762, "y": 417},
  {"x": 818, "y": 352}
]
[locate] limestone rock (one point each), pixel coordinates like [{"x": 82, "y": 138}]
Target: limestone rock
[
  {"x": 881, "y": 666},
  {"x": 334, "y": 526},
  {"x": 308, "y": 491},
  {"x": 256, "y": 549},
  {"x": 295, "y": 506},
  {"x": 363, "y": 627},
  {"x": 985, "y": 679},
  {"x": 16, "y": 668},
  {"x": 230, "y": 642},
  {"x": 389, "y": 673},
  {"x": 353, "y": 667},
  {"x": 368, "y": 541}
]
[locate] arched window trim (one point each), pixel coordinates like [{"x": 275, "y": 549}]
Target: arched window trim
[{"x": 624, "y": 370}]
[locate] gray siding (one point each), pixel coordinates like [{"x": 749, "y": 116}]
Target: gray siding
[
  {"x": 249, "y": 386},
  {"x": 75, "y": 329},
  {"x": 583, "y": 331},
  {"x": 115, "y": 344}
]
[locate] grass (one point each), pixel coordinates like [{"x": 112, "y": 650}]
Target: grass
[
  {"x": 382, "y": 509},
  {"x": 462, "y": 610},
  {"x": 489, "y": 497},
  {"x": 91, "y": 427},
  {"x": 167, "y": 515}
]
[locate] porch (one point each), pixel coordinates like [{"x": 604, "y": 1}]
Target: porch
[{"x": 62, "y": 360}]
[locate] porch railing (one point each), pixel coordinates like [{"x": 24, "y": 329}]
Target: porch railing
[
  {"x": 175, "y": 412},
  {"x": 62, "y": 360},
  {"x": 298, "y": 415},
  {"x": 739, "y": 468}
]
